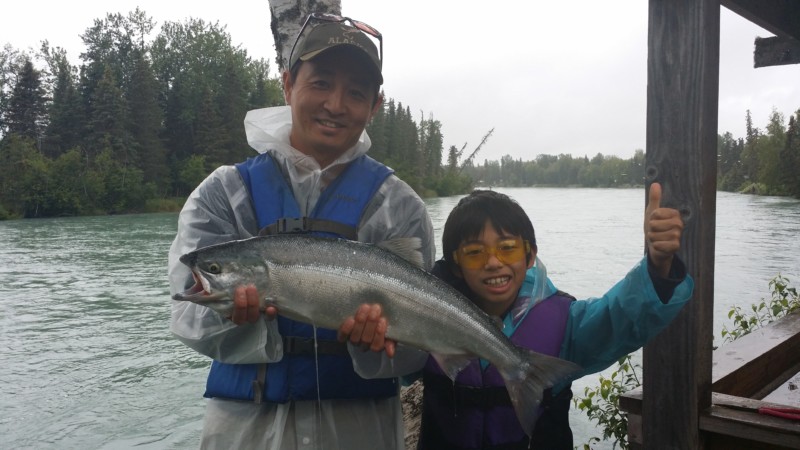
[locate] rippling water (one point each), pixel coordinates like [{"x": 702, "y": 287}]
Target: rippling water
[{"x": 87, "y": 361}]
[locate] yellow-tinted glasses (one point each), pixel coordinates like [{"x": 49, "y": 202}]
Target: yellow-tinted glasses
[{"x": 507, "y": 251}]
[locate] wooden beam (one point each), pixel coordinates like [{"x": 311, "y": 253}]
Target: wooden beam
[
  {"x": 737, "y": 417},
  {"x": 682, "y": 106},
  {"x": 780, "y": 17},
  {"x": 760, "y": 360},
  {"x": 776, "y": 51}
]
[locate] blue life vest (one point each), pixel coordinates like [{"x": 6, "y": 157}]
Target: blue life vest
[
  {"x": 295, "y": 376},
  {"x": 475, "y": 411}
]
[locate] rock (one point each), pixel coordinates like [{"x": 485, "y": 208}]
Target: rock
[{"x": 411, "y": 401}]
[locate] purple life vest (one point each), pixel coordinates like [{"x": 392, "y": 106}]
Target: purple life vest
[{"x": 475, "y": 412}]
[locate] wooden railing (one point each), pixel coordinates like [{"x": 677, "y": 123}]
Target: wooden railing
[{"x": 751, "y": 372}]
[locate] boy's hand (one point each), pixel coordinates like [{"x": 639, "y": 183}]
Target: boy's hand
[{"x": 662, "y": 230}]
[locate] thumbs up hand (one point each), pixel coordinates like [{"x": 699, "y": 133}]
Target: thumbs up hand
[{"x": 662, "y": 230}]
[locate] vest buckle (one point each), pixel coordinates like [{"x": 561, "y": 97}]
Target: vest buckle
[{"x": 293, "y": 225}]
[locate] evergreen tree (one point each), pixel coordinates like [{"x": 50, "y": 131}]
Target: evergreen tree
[
  {"x": 66, "y": 115},
  {"x": 769, "y": 149},
  {"x": 790, "y": 157},
  {"x": 434, "y": 144},
  {"x": 232, "y": 100},
  {"x": 730, "y": 175},
  {"x": 376, "y": 130},
  {"x": 267, "y": 91},
  {"x": 146, "y": 122},
  {"x": 211, "y": 136},
  {"x": 107, "y": 119},
  {"x": 27, "y": 107},
  {"x": 749, "y": 157}
]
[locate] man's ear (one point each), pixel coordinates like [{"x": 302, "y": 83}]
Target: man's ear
[
  {"x": 378, "y": 104},
  {"x": 287, "y": 87}
]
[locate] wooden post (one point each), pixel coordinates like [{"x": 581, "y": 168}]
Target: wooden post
[{"x": 682, "y": 104}]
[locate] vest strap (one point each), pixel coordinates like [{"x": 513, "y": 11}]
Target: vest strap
[
  {"x": 468, "y": 396},
  {"x": 258, "y": 383},
  {"x": 295, "y": 345},
  {"x": 308, "y": 225}
]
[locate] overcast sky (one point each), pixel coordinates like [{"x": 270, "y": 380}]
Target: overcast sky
[{"x": 549, "y": 77}]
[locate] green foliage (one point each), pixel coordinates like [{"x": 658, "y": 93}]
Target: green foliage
[
  {"x": 149, "y": 113},
  {"x": 561, "y": 170},
  {"x": 784, "y": 301},
  {"x": 764, "y": 162},
  {"x": 157, "y": 205},
  {"x": 601, "y": 403},
  {"x": 192, "y": 172}
]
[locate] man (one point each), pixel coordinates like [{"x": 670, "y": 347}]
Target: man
[{"x": 276, "y": 383}]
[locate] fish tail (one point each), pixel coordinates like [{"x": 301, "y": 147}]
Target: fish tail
[{"x": 527, "y": 382}]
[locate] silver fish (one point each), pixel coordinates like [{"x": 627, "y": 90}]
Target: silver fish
[{"x": 323, "y": 281}]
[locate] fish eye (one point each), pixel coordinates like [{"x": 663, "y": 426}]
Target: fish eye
[{"x": 214, "y": 268}]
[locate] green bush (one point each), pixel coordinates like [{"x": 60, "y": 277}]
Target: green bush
[
  {"x": 156, "y": 205},
  {"x": 784, "y": 301},
  {"x": 601, "y": 403}
]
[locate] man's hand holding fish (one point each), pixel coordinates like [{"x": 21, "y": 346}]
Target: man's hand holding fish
[{"x": 366, "y": 328}]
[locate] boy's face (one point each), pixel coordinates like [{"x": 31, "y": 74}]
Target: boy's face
[{"x": 496, "y": 283}]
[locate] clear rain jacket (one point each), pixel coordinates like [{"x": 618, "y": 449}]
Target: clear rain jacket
[{"x": 220, "y": 210}]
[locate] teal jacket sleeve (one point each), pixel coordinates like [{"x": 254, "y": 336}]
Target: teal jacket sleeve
[{"x": 602, "y": 330}]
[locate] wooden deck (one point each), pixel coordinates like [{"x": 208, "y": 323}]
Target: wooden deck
[{"x": 757, "y": 370}]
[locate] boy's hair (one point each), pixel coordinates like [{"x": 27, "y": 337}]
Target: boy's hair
[{"x": 468, "y": 218}]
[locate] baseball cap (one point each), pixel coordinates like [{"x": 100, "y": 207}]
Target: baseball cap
[{"x": 331, "y": 31}]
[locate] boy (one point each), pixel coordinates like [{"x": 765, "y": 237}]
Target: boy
[{"x": 490, "y": 255}]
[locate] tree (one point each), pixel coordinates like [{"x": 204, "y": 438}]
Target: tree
[
  {"x": 730, "y": 175},
  {"x": 24, "y": 180},
  {"x": 749, "y": 157},
  {"x": 193, "y": 61},
  {"x": 66, "y": 115},
  {"x": 769, "y": 149},
  {"x": 27, "y": 112},
  {"x": 790, "y": 157},
  {"x": 267, "y": 91},
  {"x": 11, "y": 62},
  {"x": 287, "y": 18},
  {"x": 232, "y": 94},
  {"x": 107, "y": 117},
  {"x": 146, "y": 123}
]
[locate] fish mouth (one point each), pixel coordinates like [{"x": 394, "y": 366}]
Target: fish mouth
[{"x": 200, "y": 292}]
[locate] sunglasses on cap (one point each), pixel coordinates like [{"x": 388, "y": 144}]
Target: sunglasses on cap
[
  {"x": 326, "y": 17},
  {"x": 507, "y": 251}
]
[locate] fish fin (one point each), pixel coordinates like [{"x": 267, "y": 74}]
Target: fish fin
[
  {"x": 451, "y": 365},
  {"x": 526, "y": 383},
  {"x": 408, "y": 248}
]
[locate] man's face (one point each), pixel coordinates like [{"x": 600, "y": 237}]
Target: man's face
[{"x": 332, "y": 99}]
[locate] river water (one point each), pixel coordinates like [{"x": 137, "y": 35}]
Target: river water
[{"x": 87, "y": 360}]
